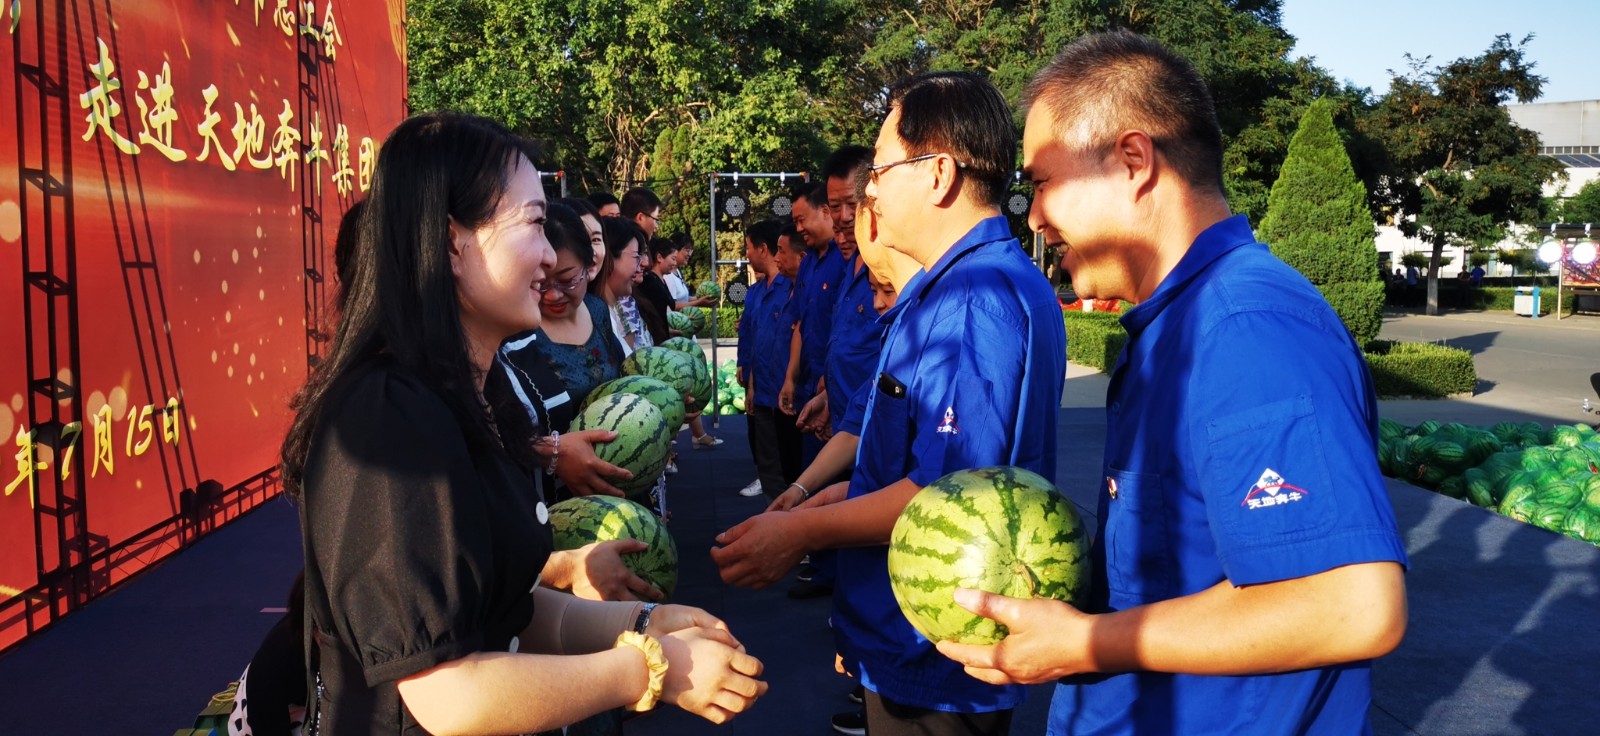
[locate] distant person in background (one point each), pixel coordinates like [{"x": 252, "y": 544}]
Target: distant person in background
[
  {"x": 642, "y": 207},
  {"x": 1477, "y": 275},
  {"x": 605, "y": 204},
  {"x": 682, "y": 295},
  {"x": 591, "y": 223},
  {"x": 653, "y": 289},
  {"x": 621, "y": 263},
  {"x": 1411, "y": 276}
]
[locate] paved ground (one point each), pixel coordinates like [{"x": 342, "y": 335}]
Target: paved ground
[
  {"x": 1501, "y": 637},
  {"x": 1536, "y": 367}
]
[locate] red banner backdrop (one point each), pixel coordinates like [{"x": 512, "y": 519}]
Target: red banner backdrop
[{"x": 172, "y": 173}]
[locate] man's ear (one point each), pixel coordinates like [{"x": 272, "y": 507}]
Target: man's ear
[
  {"x": 946, "y": 181},
  {"x": 1135, "y": 153}
]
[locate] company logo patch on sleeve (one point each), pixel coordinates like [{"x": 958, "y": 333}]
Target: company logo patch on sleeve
[
  {"x": 948, "y": 426},
  {"x": 1272, "y": 490}
]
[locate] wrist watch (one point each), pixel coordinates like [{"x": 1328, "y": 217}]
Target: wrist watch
[{"x": 643, "y": 621}]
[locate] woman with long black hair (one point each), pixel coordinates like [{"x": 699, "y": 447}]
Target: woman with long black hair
[{"x": 413, "y": 462}]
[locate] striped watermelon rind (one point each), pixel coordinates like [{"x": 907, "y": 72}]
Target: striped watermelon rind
[
  {"x": 685, "y": 345},
  {"x": 679, "y": 322},
  {"x": 584, "y": 520},
  {"x": 697, "y": 320},
  {"x": 666, "y": 399},
  {"x": 643, "y": 440},
  {"x": 709, "y": 288},
  {"x": 1003, "y": 530},
  {"x": 688, "y": 375}
]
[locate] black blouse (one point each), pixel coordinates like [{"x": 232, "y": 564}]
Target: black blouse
[{"x": 420, "y": 547}]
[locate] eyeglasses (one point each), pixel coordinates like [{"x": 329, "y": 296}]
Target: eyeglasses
[
  {"x": 874, "y": 170},
  {"x": 565, "y": 287}
]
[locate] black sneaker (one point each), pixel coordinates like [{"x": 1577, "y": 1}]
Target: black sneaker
[
  {"x": 807, "y": 574},
  {"x": 852, "y": 722},
  {"x": 858, "y": 695},
  {"x": 809, "y": 589}
]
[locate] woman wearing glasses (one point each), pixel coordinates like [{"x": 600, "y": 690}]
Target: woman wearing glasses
[{"x": 412, "y": 462}]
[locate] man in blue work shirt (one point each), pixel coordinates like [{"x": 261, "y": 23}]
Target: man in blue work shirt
[
  {"x": 856, "y": 336},
  {"x": 773, "y": 325},
  {"x": 970, "y": 376},
  {"x": 817, "y": 285},
  {"x": 761, "y": 245},
  {"x": 1247, "y": 566}
]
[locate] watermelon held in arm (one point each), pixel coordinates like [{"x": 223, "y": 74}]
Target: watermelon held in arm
[
  {"x": 697, "y": 320},
  {"x": 665, "y": 398},
  {"x": 1003, "y": 530},
  {"x": 710, "y": 289},
  {"x": 677, "y": 321},
  {"x": 643, "y": 440},
  {"x": 581, "y": 521},
  {"x": 686, "y": 374}
]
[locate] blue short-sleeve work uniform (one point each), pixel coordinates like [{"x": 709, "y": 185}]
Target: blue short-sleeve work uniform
[
  {"x": 774, "y": 326},
  {"x": 817, "y": 287},
  {"x": 1240, "y": 447},
  {"x": 970, "y": 376},
  {"x": 747, "y": 322},
  {"x": 853, "y": 344}
]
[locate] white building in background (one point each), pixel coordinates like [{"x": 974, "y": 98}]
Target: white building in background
[{"x": 1568, "y": 132}]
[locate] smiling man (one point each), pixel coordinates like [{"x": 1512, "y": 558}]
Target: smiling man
[
  {"x": 1247, "y": 566},
  {"x": 970, "y": 376}
]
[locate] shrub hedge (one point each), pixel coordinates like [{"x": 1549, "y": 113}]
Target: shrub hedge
[
  {"x": 1399, "y": 369},
  {"x": 1420, "y": 369},
  {"x": 1094, "y": 339}
]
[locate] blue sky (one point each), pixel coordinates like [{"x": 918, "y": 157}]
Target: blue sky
[{"x": 1359, "y": 40}]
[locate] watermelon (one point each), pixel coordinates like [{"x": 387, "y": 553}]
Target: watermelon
[
  {"x": 1583, "y": 523},
  {"x": 697, "y": 320},
  {"x": 677, "y": 321},
  {"x": 665, "y": 398},
  {"x": 684, "y": 373},
  {"x": 1003, "y": 530},
  {"x": 643, "y": 439},
  {"x": 584, "y": 520},
  {"x": 685, "y": 345},
  {"x": 709, "y": 288},
  {"x": 1426, "y": 428}
]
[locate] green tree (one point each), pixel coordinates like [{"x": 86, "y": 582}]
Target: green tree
[
  {"x": 1458, "y": 171},
  {"x": 1317, "y": 221},
  {"x": 1583, "y": 207}
]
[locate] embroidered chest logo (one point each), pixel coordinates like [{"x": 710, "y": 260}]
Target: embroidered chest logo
[
  {"x": 948, "y": 426},
  {"x": 1272, "y": 490}
]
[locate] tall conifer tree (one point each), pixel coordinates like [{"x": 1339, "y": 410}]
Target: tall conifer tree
[{"x": 1317, "y": 221}]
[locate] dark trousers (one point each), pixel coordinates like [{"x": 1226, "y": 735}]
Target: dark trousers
[
  {"x": 764, "y": 449},
  {"x": 887, "y": 718},
  {"x": 775, "y": 446}
]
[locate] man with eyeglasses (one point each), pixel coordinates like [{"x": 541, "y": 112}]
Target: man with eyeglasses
[{"x": 970, "y": 376}]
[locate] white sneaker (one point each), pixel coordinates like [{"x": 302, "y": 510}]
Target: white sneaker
[
  {"x": 671, "y": 469},
  {"x": 752, "y": 490},
  {"x": 706, "y": 440}
]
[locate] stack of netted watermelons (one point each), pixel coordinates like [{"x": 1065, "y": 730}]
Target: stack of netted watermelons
[
  {"x": 730, "y": 395},
  {"x": 1548, "y": 478}
]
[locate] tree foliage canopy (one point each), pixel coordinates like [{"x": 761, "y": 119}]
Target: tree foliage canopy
[
  {"x": 1583, "y": 207},
  {"x": 1457, "y": 169},
  {"x": 1317, "y": 221}
]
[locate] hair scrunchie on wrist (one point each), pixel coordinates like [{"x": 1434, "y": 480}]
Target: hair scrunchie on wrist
[{"x": 655, "y": 659}]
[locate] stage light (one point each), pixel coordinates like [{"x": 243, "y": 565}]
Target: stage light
[
  {"x": 1550, "y": 251},
  {"x": 782, "y": 206},
  {"x": 734, "y": 205},
  {"x": 1584, "y": 253}
]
